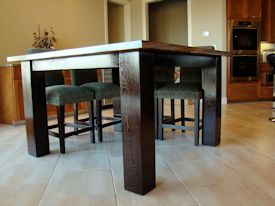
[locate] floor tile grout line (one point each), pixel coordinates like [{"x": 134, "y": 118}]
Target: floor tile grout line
[
  {"x": 17, "y": 150},
  {"x": 245, "y": 177},
  {"x": 112, "y": 172},
  {"x": 179, "y": 175},
  {"x": 5, "y": 143},
  {"x": 49, "y": 181},
  {"x": 247, "y": 146},
  {"x": 255, "y": 149},
  {"x": 194, "y": 198}
]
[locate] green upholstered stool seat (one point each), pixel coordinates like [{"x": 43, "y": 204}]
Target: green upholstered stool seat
[
  {"x": 103, "y": 90},
  {"x": 180, "y": 91},
  {"x": 60, "y": 95}
]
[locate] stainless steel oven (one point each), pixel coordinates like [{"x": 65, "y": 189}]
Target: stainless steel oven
[
  {"x": 245, "y": 37},
  {"x": 245, "y": 49},
  {"x": 244, "y": 67}
]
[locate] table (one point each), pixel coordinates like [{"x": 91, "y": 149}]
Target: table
[{"x": 135, "y": 60}]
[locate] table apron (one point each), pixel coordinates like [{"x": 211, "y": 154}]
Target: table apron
[
  {"x": 181, "y": 60},
  {"x": 77, "y": 62}
]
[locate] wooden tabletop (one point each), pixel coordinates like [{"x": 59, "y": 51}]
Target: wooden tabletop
[{"x": 138, "y": 45}]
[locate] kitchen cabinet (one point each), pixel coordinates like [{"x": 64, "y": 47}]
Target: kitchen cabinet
[
  {"x": 11, "y": 95},
  {"x": 249, "y": 10},
  {"x": 243, "y": 9},
  {"x": 268, "y": 21},
  {"x": 11, "y": 98},
  {"x": 243, "y": 91},
  {"x": 253, "y": 8}
]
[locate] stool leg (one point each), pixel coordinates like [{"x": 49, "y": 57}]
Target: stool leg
[
  {"x": 182, "y": 113},
  {"x": 202, "y": 118},
  {"x": 272, "y": 118},
  {"x": 91, "y": 120},
  {"x": 156, "y": 117},
  {"x": 99, "y": 119},
  {"x": 196, "y": 120},
  {"x": 75, "y": 108},
  {"x": 160, "y": 119},
  {"x": 61, "y": 127},
  {"x": 172, "y": 107}
]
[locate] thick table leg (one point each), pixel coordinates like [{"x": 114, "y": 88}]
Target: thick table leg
[
  {"x": 35, "y": 110},
  {"x": 137, "y": 107},
  {"x": 272, "y": 118},
  {"x": 211, "y": 83},
  {"x": 116, "y": 101}
]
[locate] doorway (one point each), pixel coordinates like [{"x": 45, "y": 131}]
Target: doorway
[
  {"x": 167, "y": 22},
  {"x": 118, "y": 18},
  {"x": 117, "y": 28},
  {"x": 115, "y": 23}
]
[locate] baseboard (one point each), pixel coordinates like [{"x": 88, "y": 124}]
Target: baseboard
[{"x": 224, "y": 100}]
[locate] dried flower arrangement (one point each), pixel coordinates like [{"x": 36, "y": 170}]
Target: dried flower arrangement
[{"x": 45, "y": 40}]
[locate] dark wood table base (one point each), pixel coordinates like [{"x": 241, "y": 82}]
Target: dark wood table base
[{"x": 135, "y": 61}]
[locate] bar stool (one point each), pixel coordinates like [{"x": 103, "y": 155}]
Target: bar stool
[
  {"x": 180, "y": 91},
  {"x": 59, "y": 95},
  {"x": 163, "y": 75},
  {"x": 102, "y": 90}
]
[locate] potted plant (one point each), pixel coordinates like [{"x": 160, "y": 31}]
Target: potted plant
[{"x": 43, "y": 41}]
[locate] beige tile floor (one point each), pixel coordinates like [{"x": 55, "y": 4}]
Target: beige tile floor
[{"x": 239, "y": 172}]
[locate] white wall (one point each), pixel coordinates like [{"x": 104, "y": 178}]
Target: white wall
[
  {"x": 75, "y": 22},
  {"x": 115, "y": 23},
  {"x": 137, "y": 23},
  {"x": 209, "y": 16},
  {"x": 168, "y": 22}
]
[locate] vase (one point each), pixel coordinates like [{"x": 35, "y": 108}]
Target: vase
[{"x": 37, "y": 50}]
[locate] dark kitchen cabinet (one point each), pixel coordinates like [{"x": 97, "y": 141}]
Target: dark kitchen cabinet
[
  {"x": 268, "y": 21},
  {"x": 254, "y": 8},
  {"x": 234, "y": 8},
  {"x": 243, "y": 9}
]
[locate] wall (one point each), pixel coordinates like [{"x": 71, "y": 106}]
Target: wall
[
  {"x": 115, "y": 23},
  {"x": 209, "y": 16},
  {"x": 81, "y": 23},
  {"x": 75, "y": 22},
  {"x": 173, "y": 17},
  {"x": 137, "y": 24}
]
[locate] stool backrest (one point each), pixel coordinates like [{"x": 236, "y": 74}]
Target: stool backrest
[
  {"x": 163, "y": 75},
  {"x": 193, "y": 75},
  {"x": 54, "y": 78},
  {"x": 83, "y": 76},
  {"x": 190, "y": 75}
]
